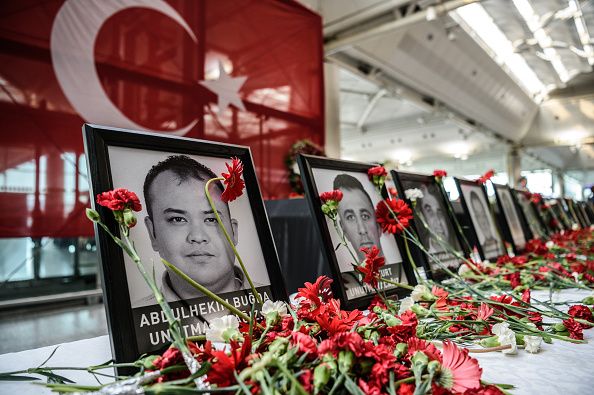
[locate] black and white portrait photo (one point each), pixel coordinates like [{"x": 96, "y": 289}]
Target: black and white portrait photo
[
  {"x": 482, "y": 220},
  {"x": 437, "y": 233},
  {"x": 178, "y": 224},
  {"x": 511, "y": 216},
  {"x": 356, "y": 218},
  {"x": 530, "y": 214}
]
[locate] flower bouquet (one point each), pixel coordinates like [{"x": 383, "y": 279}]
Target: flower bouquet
[{"x": 419, "y": 345}]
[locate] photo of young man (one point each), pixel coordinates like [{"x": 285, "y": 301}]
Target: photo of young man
[
  {"x": 178, "y": 224},
  {"x": 357, "y": 221},
  {"x": 356, "y": 214},
  {"x": 440, "y": 237},
  {"x": 483, "y": 223},
  {"x": 511, "y": 215},
  {"x": 184, "y": 231}
]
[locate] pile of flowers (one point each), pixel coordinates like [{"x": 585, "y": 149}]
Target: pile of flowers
[
  {"x": 565, "y": 261},
  {"x": 418, "y": 345}
]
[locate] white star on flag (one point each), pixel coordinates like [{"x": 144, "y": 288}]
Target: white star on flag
[{"x": 226, "y": 88}]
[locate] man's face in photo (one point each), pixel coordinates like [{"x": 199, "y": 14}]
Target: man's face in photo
[
  {"x": 481, "y": 216},
  {"x": 508, "y": 207},
  {"x": 184, "y": 231},
  {"x": 434, "y": 215},
  {"x": 357, "y": 220}
]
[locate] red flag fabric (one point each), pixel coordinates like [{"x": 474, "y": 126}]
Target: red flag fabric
[{"x": 137, "y": 64}]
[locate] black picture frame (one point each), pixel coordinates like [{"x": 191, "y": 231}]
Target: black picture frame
[
  {"x": 476, "y": 241},
  {"x": 516, "y": 237},
  {"x": 534, "y": 223},
  {"x": 123, "y": 331},
  {"x": 558, "y": 213},
  {"x": 589, "y": 213},
  {"x": 406, "y": 180},
  {"x": 575, "y": 212},
  {"x": 307, "y": 165}
]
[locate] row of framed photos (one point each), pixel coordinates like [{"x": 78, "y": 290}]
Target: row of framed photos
[{"x": 176, "y": 223}]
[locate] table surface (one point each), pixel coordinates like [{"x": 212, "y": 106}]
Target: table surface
[{"x": 561, "y": 367}]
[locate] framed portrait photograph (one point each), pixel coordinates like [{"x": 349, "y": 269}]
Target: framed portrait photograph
[
  {"x": 475, "y": 202},
  {"x": 511, "y": 220},
  {"x": 433, "y": 222},
  {"x": 178, "y": 224},
  {"x": 357, "y": 220},
  {"x": 533, "y": 221},
  {"x": 586, "y": 212},
  {"x": 574, "y": 212},
  {"x": 561, "y": 221}
]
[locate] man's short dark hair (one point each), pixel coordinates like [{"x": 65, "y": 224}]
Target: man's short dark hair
[
  {"x": 184, "y": 168},
  {"x": 346, "y": 181}
]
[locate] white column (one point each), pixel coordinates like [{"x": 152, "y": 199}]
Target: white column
[
  {"x": 514, "y": 165},
  {"x": 332, "y": 112}
]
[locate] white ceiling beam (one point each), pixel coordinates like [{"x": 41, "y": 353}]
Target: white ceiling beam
[
  {"x": 582, "y": 29},
  {"x": 342, "y": 42},
  {"x": 369, "y": 108},
  {"x": 361, "y": 16}
]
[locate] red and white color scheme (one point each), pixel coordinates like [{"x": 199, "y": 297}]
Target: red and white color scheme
[{"x": 156, "y": 65}]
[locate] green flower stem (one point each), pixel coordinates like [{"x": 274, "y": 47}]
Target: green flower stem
[
  {"x": 406, "y": 380},
  {"x": 453, "y": 215},
  {"x": 343, "y": 239},
  {"x": 206, "y": 292},
  {"x": 216, "y": 213},
  {"x": 297, "y": 385},
  {"x": 412, "y": 261},
  {"x": 179, "y": 340},
  {"x": 400, "y": 285}
]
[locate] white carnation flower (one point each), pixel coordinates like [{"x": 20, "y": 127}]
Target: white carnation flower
[
  {"x": 575, "y": 226},
  {"x": 532, "y": 344},
  {"x": 463, "y": 269},
  {"x": 506, "y": 337},
  {"x": 221, "y": 329},
  {"x": 405, "y": 304},
  {"x": 413, "y": 194},
  {"x": 550, "y": 244},
  {"x": 274, "y": 307},
  {"x": 418, "y": 292}
]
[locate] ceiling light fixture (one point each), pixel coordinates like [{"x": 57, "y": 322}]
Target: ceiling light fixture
[{"x": 478, "y": 23}]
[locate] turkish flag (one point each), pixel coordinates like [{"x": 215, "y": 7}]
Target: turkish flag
[{"x": 137, "y": 64}]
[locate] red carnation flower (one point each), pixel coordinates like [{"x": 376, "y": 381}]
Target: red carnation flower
[
  {"x": 486, "y": 177},
  {"x": 119, "y": 199},
  {"x": 335, "y": 195},
  {"x": 233, "y": 183},
  {"x": 373, "y": 262},
  {"x": 377, "y": 171},
  {"x": 439, "y": 173},
  {"x": 393, "y": 192},
  {"x": 313, "y": 296},
  {"x": 222, "y": 371},
  {"x": 305, "y": 343},
  {"x": 536, "y": 198},
  {"x": 377, "y": 175},
  {"x": 385, "y": 211},
  {"x": 574, "y": 328},
  {"x": 582, "y": 312}
]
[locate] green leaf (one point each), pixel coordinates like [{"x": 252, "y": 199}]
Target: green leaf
[
  {"x": 17, "y": 378},
  {"x": 48, "y": 358},
  {"x": 352, "y": 387},
  {"x": 55, "y": 378}
]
